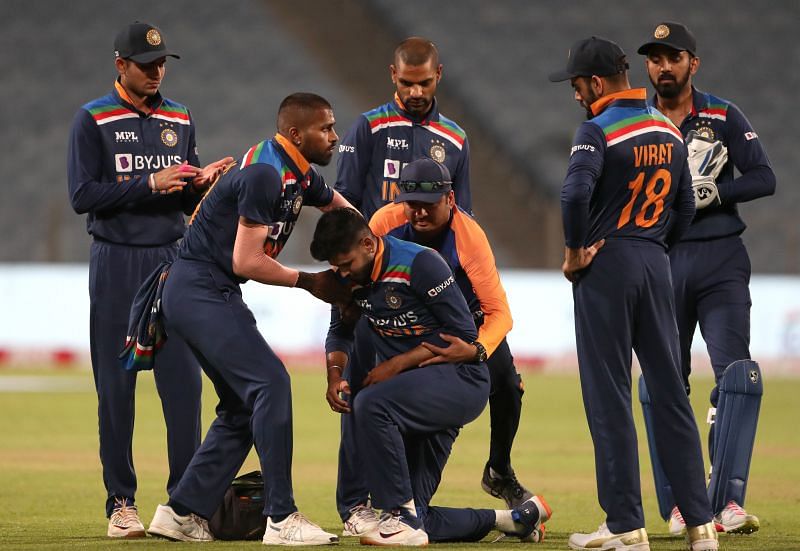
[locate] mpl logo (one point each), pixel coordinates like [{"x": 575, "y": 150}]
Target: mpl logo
[
  {"x": 391, "y": 168},
  {"x": 127, "y": 137},
  {"x": 396, "y": 143},
  {"x": 123, "y": 162}
]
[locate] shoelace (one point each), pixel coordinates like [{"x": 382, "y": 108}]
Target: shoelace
[
  {"x": 202, "y": 524},
  {"x": 292, "y": 529},
  {"x": 362, "y": 512},
  {"x": 603, "y": 530},
  {"x": 678, "y": 516},
  {"x": 123, "y": 514},
  {"x": 733, "y": 508},
  {"x": 391, "y": 521}
]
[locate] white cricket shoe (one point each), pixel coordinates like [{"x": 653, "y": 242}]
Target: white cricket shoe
[
  {"x": 603, "y": 538},
  {"x": 676, "y": 524},
  {"x": 702, "y": 538},
  {"x": 124, "y": 521},
  {"x": 735, "y": 520},
  {"x": 296, "y": 529},
  {"x": 362, "y": 519},
  {"x": 397, "y": 528},
  {"x": 168, "y": 524}
]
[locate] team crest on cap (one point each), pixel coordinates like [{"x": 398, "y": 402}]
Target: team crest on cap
[
  {"x": 297, "y": 204},
  {"x": 169, "y": 137},
  {"x": 437, "y": 151},
  {"x": 153, "y": 37},
  {"x": 662, "y": 31},
  {"x": 393, "y": 299}
]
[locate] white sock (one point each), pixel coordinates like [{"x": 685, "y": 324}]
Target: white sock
[
  {"x": 410, "y": 507},
  {"x": 504, "y": 522}
]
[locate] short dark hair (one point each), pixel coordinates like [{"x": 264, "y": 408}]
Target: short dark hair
[
  {"x": 338, "y": 232},
  {"x": 296, "y": 109},
  {"x": 416, "y": 51}
]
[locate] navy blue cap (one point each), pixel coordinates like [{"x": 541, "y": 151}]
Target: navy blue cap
[
  {"x": 592, "y": 56},
  {"x": 671, "y": 34},
  {"x": 424, "y": 180},
  {"x": 142, "y": 43}
]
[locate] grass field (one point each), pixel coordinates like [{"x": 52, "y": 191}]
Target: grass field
[{"x": 51, "y": 492}]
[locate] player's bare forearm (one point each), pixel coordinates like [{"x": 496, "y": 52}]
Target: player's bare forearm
[
  {"x": 579, "y": 259},
  {"x": 251, "y": 262},
  {"x": 397, "y": 364},
  {"x": 337, "y": 202},
  {"x": 337, "y": 386}
]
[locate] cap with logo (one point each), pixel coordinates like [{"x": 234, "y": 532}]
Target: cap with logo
[
  {"x": 142, "y": 43},
  {"x": 424, "y": 180},
  {"x": 673, "y": 35},
  {"x": 592, "y": 56}
]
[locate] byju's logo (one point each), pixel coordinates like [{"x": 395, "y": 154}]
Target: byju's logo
[{"x": 123, "y": 162}]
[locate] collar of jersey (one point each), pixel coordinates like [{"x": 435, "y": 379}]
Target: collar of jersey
[
  {"x": 294, "y": 154},
  {"x": 125, "y": 99},
  {"x": 699, "y": 100},
  {"x": 432, "y": 115},
  {"x": 377, "y": 266},
  {"x": 602, "y": 103}
]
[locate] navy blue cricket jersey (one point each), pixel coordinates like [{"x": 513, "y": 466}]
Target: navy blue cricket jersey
[
  {"x": 412, "y": 298},
  {"x": 382, "y": 141},
  {"x": 720, "y": 120},
  {"x": 113, "y": 149},
  {"x": 627, "y": 176},
  {"x": 269, "y": 186}
]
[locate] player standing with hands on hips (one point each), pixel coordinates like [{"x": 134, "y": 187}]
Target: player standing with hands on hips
[
  {"x": 711, "y": 270},
  {"x": 132, "y": 167},
  {"x": 626, "y": 197}
]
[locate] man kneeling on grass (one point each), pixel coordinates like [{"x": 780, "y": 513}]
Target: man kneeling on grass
[{"x": 407, "y": 417}]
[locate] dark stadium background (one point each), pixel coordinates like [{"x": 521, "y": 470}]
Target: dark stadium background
[{"x": 240, "y": 58}]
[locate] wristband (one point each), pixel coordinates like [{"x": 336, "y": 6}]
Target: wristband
[{"x": 151, "y": 182}]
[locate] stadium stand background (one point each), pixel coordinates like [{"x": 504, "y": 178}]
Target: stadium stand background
[{"x": 237, "y": 65}]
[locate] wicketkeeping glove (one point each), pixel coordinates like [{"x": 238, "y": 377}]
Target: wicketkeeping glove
[{"x": 706, "y": 159}]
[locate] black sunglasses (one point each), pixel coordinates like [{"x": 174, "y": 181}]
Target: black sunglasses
[{"x": 425, "y": 187}]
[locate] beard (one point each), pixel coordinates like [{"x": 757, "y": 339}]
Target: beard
[{"x": 670, "y": 87}]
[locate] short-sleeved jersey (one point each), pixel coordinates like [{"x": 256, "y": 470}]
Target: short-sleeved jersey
[
  {"x": 412, "y": 298},
  {"x": 720, "y": 120},
  {"x": 113, "y": 149},
  {"x": 465, "y": 248},
  {"x": 382, "y": 141},
  {"x": 627, "y": 176},
  {"x": 269, "y": 186}
]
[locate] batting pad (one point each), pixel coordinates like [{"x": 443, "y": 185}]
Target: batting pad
[
  {"x": 663, "y": 488},
  {"x": 740, "y": 390}
]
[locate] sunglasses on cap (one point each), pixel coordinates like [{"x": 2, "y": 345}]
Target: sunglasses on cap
[{"x": 425, "y": 187}]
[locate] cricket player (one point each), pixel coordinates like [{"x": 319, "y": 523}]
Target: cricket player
[
  {"x": 711, "y": 269},
  {"x": 626, "y": 197}
]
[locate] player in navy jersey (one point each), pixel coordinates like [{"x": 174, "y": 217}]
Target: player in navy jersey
[
  {"x": 408, "y": 416},
  {"x": 409, "y": 127},
  {"x": 133, "y": 168},
  {"x": 626, "y": 197},
  {"x": 239, "y": 229},
  {"x": 711, "y": 268}
]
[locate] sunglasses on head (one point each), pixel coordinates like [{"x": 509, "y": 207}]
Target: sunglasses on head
[{"x": 426, "y": 187}]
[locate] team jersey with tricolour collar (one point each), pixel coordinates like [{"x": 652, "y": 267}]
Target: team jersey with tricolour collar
[
  {"x": 465, "y": 248},
  {"x": 720, "y": 120},
  {"x": 628, "y": 176},
  {"x": 382, "y": 141},
  {"x": 412, "y": 298},
  {"x": 113, "y": 149},
  {"x": 269, "y": 186}
]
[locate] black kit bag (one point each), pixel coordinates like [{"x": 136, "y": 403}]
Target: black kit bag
[{"x": 241, "y": 514}]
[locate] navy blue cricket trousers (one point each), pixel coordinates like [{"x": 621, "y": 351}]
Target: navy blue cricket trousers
[
  {"x": 205, "y": 307},
  {"x": 115, "y": 274},
  {"x": 505, "y": 406},
  {"x": 406, "y": 428},
  {"x": 711, "y": 281},
  {"x": 624, "y": 302}
]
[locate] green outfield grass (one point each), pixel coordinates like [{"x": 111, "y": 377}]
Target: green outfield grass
[{"x": 52, "y": 497}]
